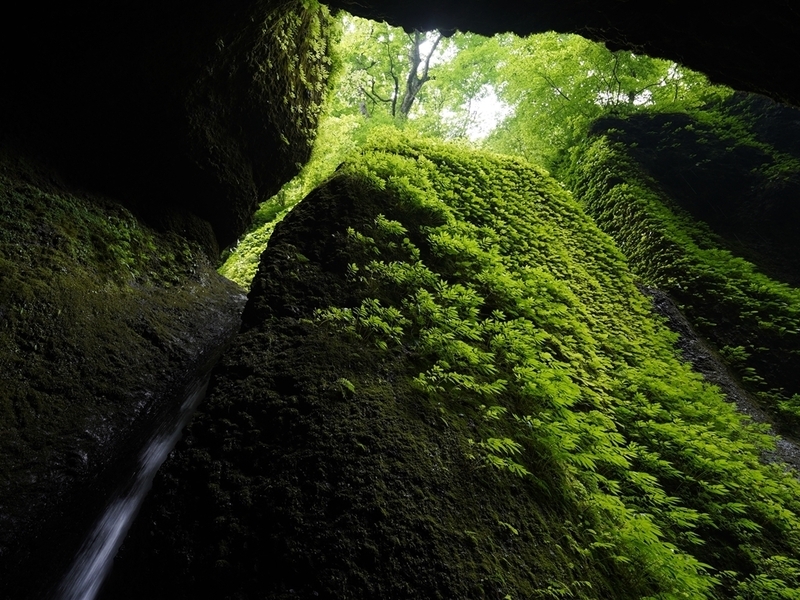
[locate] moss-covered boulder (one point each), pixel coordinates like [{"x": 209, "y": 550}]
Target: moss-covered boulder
[
  {"x": 102, "y": 321},
  {"x": 448, "y": 386}
]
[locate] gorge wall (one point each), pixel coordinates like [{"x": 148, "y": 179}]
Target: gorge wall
[
  {"x": 448, "y": 386},
  {"x": 133, "y": 143},
  {"x": 705, "y": 208},
  {"x": 137, "y": 141}
]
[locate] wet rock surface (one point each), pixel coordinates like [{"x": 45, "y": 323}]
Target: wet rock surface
[
  {"x": 47, "y": 508},
  {"x": 704, "y": 359},
  {"x": 103, "y": 322}
]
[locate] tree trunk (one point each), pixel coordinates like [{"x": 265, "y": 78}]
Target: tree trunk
[{"x": 414, "y": 82}]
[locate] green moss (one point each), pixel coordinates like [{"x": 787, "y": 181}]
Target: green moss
[
  {"x": 298, "y": 38},
  {"x": 729, "y": 300},
  {"x": 240, "y": 265},
  {"x": 517, "y": 425},
  {"x": 99, "y": 315}
]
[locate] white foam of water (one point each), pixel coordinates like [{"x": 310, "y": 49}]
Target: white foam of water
[{"x": 93, "y": 561}]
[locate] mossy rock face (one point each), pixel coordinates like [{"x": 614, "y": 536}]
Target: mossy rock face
[
  {"x": 315, "y": 469},
  {"x": 173, "y": 108},
  {"x": 252, "y": 107},
  {"x": 294, "y": 484},
  {"x": 736, "y": 167},
  {"x": 705, "y": 207},
  {"x": 101, "y": 323},
  {"x": 448, "y": 386}
]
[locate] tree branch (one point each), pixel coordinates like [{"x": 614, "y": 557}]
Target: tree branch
[{"x": 428, "y": 59}]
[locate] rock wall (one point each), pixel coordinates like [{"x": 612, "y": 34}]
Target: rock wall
[
  {"x": 203, "y": 108},
  {"x": 134, "y": 142},
  {"x": 102, "y": 321},
  {"x": 448, "y": 386},
  {"x": 704, "y": 206}
]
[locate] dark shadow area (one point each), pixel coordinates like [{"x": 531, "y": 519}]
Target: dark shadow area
[{"x": 745, "y": 184}]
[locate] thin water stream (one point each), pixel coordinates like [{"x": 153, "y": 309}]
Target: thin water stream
[{"x": 95, "y": 557}]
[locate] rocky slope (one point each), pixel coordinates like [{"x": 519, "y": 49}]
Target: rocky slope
[
  {"x": 180, "y": 117},
  {"x": 450, "y": 387}
]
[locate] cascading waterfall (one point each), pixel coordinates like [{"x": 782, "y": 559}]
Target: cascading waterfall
[{"x": 95, "y": 558}]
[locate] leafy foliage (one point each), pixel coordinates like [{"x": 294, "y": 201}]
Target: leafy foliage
[
  {"x": 558, "y": 84},
  {"x": 384, "y": 68},
  {"x": 446, "y": 95},
  {"x": 752, "y": 318},
  {"x": 548, "y": 87},
  {"x": 522, "y": 317},
  {"x": 333, "y": 143},
  {"x": 298, "y": 37}
]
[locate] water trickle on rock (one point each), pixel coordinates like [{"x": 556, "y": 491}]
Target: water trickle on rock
[{"x": 93, "y": 562}]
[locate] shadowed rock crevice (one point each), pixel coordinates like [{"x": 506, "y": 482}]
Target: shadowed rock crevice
[{"x": 200, "y": 107}]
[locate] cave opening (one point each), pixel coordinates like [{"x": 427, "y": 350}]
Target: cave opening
[
  {"x": 534, "y": 97},
  {"x": 137, "y": 143}
]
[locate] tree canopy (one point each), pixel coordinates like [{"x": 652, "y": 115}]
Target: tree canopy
[
  {"x": 542, "y": 91},
  {"x": 557, "y": 84},
  {"x": 421, "y": 80},
  {"x": 383, "y": 67}
]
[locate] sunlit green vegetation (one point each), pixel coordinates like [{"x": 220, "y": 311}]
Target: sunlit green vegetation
[
  {"x": 753, "y": 319},
  {"x": 520, "y": 315},
  {"x": 333, "y": 143},
  {"x": 531, "y": 97},
  {"x": 558, "y": 84},
  {"x": 521, "y": 318}
]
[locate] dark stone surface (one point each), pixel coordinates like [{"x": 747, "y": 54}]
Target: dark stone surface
[
  {"x": 169, "y": 106},
  {"x": 102, "y": 323}
]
